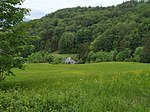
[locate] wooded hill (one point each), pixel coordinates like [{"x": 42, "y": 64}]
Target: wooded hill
[{"x": 83, "y": 30}]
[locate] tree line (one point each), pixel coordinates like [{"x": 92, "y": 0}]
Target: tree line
[{"x": 82, "y": 30}]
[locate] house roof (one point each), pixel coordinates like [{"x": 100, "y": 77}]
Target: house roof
[{"x": 69, "y": 60}]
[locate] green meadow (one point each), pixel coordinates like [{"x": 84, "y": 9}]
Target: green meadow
[{"x": 97, "y": 87}]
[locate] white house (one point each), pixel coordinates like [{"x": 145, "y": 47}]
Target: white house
[{"x": 70, "y": 61}]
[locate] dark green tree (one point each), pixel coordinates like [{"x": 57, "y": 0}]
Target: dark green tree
[
  {"x": 146, "y": 50},
  {"x": 124, "y": 55},
  {"x": 66, "y": 43},
  {"x": 138, "y": 54},
  {"x": 82, "y": 52},
  {"x": 11, "y": 37}
]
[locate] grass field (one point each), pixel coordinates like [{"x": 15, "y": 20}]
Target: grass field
[{"x": 99, "y": 87}]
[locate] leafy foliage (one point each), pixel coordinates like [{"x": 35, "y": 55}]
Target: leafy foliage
[
  {"x": 112, "y": 28},
  {"x": 40, "y": 57},
  {"x": 146, "y": 50},
  {"x": 12, "y": 37},
  {"x": 138, "y": 54},
  {"x": 10, "y": 14},
  {"x": 66, "y": 43},
  {"x": 124, "y": 55}
]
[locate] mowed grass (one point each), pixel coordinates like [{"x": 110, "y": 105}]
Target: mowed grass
[{"x": 99, "y": 87}]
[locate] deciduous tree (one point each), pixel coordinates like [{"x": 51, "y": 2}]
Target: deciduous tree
[{"x": 12, "y": 40}]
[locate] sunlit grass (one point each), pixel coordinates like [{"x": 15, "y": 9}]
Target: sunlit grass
[{"x": 99, "y": 87}]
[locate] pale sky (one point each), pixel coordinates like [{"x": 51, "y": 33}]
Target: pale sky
[{"x": 40, "y": 8}]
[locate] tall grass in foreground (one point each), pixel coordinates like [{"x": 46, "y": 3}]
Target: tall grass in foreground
[{"x": 105, "y": 87}]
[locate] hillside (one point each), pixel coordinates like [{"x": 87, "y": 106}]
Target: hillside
[{"x": 81, "y": 30}]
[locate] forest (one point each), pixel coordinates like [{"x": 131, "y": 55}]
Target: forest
[{"x": 95, "y": 34}]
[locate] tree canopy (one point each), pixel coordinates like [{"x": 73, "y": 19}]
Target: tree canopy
[
  {"x": 12, "y": 37},
  {"x": 113, "y": 33},
  {"x": 105, "y": 29}
]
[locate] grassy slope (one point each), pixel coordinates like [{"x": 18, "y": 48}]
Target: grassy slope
[
  {"x": 63, "y": 56},
  {"x": 98, "y": 87}
]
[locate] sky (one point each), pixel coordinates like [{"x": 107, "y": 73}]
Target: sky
[{"x": 40, "y": 8}]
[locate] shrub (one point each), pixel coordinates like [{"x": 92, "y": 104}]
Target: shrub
[
  {"x": 124, "y": 55},
  {"x": 57, "y": 60},
  {"x": 138, "y": 54},
  {"x": 80, "y": 61},
  {"x": 91, "y": 56},
  {"x": 100, "y": 56},
  {"x": 50, "y": 58},
  {"x": 40, "y": 57}
]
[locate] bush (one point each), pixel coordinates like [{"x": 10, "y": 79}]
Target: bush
[
  {"x": 100, "y": 56},
  {"x": 138, "y": 54},
  {"x": 40, "y": 57},
  {"x": 124, "y": 55},
  {"x": 50, "y": 58},
  {"x": 57, "y": 60},
  {"x": 110, "y": 56},
  {"x": 80, "y": 61},
  {"x": 120, "y": 56},
  {"x": 91, "y": 56}
]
